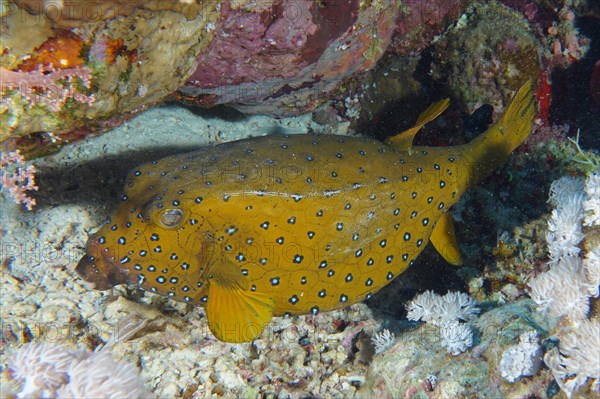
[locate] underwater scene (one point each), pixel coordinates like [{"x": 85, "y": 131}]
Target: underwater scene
[{"x": 300, "y": 199}]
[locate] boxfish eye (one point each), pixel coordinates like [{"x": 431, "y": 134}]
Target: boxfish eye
[{"x": 171, "y": 217}]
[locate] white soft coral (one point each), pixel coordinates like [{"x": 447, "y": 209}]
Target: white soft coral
[
  {"x": 576, "y": 359},
  {"x": 522, "y": 360},
  {"x": 456, "y": 337},
  {"x": 43, "y": 369},
  {"x": 555, "y": 297},
  {"x": 51, "y": 370},
  {"x": 446, "y": 312},
  {"x": 591, "y": 204},
  {"x": 439, "y": 310}
]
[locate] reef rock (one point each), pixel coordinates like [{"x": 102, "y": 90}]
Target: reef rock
[
  {"x": 61, "y": 84},
  {"x": 286, "y": 57},
  {"x": 418, "y": 366}
]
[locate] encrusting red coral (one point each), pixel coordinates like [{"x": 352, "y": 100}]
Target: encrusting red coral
[{"x": 61, "y": 51}]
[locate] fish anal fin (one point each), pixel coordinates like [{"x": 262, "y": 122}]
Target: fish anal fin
[
  {"x": 443, "y": 239},
  {"x": 235, "y": 314},
  {"x": 404, "y": 140}
]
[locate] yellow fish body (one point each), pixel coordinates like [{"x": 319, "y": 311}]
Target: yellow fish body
[{"x": 291, "y": 224}]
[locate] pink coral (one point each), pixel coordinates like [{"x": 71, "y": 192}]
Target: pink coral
[
  {"x": 47, "y": 85},
  {"x": 17, "y": 177}
]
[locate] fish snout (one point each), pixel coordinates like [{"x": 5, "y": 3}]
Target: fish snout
[{"x": 99, "y": 271}]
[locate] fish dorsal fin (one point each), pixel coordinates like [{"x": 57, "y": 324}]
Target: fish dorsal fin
[
  {"x": 235, "y": 313},
  {"x": 404, "y": 140},
  {"x": 444, "y": 240}
]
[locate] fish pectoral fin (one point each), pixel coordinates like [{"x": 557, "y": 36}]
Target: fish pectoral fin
[
  {"x": 443, "y": 239},
  {"x": 404, "y": 140},
  {"x": 235, "y": 314}
]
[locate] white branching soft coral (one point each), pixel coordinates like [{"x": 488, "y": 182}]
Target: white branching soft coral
[
  {"x": 383, "y": 341},
  {"x": 446, "y": 312},
  {"x": 563, "y": 188},
  {"x": 51, "y": 370},
  {"x": 522, "y": 360},
  {"x": 564, "y": 232},
  {"x": 550, "y": 291},
  {"x": 591, "y": 205},
  {"x": 576, "y": 359},
  {"x": 564, "y": 236},
  {"x": 439, "y": 310},
  {"x": 456, "y": 337},
  {"x": 565, "y": 289}
]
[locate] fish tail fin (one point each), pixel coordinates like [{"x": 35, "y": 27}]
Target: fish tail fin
[
  {"x": 488, "y": 151},
  {"x": 516, "y": 123}
]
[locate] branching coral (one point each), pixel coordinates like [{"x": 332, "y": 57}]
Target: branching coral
[
  {"x": 17, "y": 177},
  {"x": 48, "y": 85},
  {"x": 456, "y": 337},
  {"x": 383, "y": 341},
  {"x": 438, "y": 310},
  {"x": 445, "y": 312}
]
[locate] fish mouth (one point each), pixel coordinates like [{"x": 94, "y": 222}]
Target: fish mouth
[{"x": 95, "y": 268}]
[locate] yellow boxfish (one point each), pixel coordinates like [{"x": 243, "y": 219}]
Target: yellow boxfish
[{"x": 293, "y": 224}]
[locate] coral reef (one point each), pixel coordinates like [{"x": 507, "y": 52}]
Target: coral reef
[
  {"x": 419, "y": 22},
  {"x": 445, "y": 312},
  {"x": 575, "y": 361},
  {"x": 456, "y": 337},
  {"x": 487, "y": 55},
  {"x": 103, "y": 70},
  {"x": 406, "y": 369},
  {"x": 591, "y": 205},
  {"x": 564, "y": 236}
]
